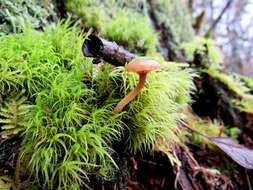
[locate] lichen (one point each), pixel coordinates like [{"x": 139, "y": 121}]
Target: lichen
[{"x": 15, "y": 15}]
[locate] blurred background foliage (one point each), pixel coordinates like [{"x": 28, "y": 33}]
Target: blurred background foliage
[{"x": 16, "y": 14}]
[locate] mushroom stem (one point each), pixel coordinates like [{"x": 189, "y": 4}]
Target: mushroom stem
[{"x": 132, "y": 94}]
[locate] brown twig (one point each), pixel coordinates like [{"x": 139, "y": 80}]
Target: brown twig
[{"x": 103, "y": 50}]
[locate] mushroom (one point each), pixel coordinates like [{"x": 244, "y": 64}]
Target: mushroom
[{"x": 142, "y": 67}]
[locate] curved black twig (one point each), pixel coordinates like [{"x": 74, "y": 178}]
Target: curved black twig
[{"x": 101, "y": 49}]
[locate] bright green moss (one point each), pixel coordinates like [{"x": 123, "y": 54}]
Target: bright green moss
[
  {"x": 132, "y": 30},
  {"x": 68, "y": 126},
  {"x": 210, "y": 128},
  {"x": 247, "y": 81},
  {"x": 32, "y": 60},
  {"x": 245, "y": 104},
  {"x": 153, "y": 119},
  {"x": 199, "y": 43},
  {"x": 66, "y": 135},
  {"x": 147, "y": 119}
]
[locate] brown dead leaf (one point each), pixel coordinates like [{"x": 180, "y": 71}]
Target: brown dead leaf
[{"x": 240, "y": 154}]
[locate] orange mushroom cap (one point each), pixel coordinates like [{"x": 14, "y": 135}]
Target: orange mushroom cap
[{"x": 142, "y": 66}]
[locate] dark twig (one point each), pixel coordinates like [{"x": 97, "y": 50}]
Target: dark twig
[{"x": 101, "y": 49}]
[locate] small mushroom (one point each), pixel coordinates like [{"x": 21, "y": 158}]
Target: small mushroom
[{"x": 142, "y": 67}]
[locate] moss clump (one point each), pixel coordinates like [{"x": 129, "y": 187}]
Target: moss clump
[
  {"x": 232, "y": 82},
  {"x": 124, "y": 25},
  {"x": 209, "y": 128},
  {"x": 69, "y": 127},
  {"x": 149, "y": 118},
  {"x": 129, "y": 22},
  {"x": 65, "y": 135},
  {"x": 201, "y": 44},
  {"x": 242, "y": 99},
  {"x": 245, "y": 104},
  {"x": 131, "y": 29},
  {"x": 15, "y": 15},
  {"x": 247, "y": 81}
]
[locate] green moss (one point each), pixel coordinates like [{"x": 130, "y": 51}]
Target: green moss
[
  {"x": 155, "y": 120},
  {"x": 233, "y": 132},
  {"x": 247, "y": 81},
  {"x": 132, "y": 30},
  {"x": 146, "y": 118},
  {"x": 245, "y": 104},
  {"x": 65, "y": 135},
  {"x": 199, "y": 43},
  {"x": 15, "y": 15},
  {"x": 70, "y": 127},
  {"x": 208, "y": 127},
  {"x": 121, "y": 24},
  {"x": 128, "y": 22},
  {"x": 230, "y": 81},
  {"x": 242, "y": 100}
]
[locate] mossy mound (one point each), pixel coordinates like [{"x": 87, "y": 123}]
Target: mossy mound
[{"x": 62, "y": 107}]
